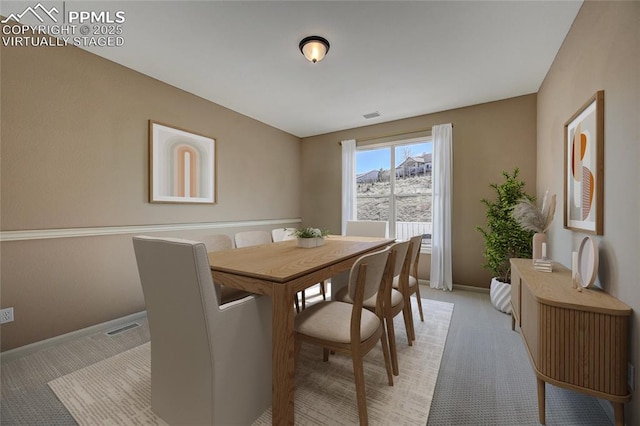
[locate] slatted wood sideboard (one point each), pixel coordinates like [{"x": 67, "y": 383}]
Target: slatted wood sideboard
[{"x": 576, "y": 340}]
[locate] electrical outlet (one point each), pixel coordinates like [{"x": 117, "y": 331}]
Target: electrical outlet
[
  {"x": 6, "y": 315},
  {"x": 631, "y": 376}
]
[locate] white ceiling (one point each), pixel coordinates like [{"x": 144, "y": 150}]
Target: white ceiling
[{"x": 399, "y": 58}]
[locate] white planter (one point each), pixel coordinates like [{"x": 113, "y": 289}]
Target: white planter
[
  {"x": 501, "y": 295},
  {"x": 310, "y": 242}
]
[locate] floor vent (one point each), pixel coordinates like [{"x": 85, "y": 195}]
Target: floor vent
[{"x": 123, "y": 329}]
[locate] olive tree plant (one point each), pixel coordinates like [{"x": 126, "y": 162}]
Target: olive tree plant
[{"x": 504, "y": 236}]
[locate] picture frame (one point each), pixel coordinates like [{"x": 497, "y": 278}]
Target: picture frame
[
  {"x": 182, "y": 165},
  {"x": 584, "y": 167}
]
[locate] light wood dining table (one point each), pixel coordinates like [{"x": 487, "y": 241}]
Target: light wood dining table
[{"x": 280, "y": 270}]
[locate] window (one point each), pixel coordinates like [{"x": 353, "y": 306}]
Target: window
[{"x": 393, "y": 183}]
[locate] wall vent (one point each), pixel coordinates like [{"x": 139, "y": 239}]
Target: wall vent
[
  {"x": 372, "y": 115},
  {"x": 122, "y": 329}
]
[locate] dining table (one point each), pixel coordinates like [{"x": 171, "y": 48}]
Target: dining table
[{"x": 280, "y": 270}]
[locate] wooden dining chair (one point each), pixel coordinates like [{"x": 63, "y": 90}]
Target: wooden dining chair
[
  {"x": 348, "y": 328},
  {"x": 410, "y": 284},
  {"x": 368, "y": 228},
  {"x": 394, "y": 302},
  {"x": 219, "y": 242}
]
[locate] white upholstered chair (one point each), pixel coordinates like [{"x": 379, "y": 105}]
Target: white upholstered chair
[
  {"x": 393, "y": 300},
  {"x": 284, "y": 234},
  {"x": 348, "y": 328},
  {"x": 219, "y": 242},
  {"x": 252, "y": 238},
  {"x": 368, "y": 228},
  {"x": 410, "y": 285},
  {"x": 210, "y": 363}
]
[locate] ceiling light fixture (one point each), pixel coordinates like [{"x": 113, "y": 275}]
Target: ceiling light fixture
[{"x": 314, "y": 48}]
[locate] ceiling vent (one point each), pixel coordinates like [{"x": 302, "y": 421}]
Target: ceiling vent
[{"x": 372, "y": 115}]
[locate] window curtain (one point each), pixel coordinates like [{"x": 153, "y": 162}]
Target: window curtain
[
  {"x": 348, "y": 182},
  {"x": 441, "y": 276}
]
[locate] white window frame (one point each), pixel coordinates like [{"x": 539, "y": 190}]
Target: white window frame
[{"x": 425, "y": 247}]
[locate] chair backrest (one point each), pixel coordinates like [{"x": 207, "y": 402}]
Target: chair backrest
[
  {"x": 368, "y": 228},
  {"x": 414, "y": 253},
  {"x": 252, "y": 238},
  {"x": 217, "y": 242},
  {"x": 402, "y": 259},
  {"x": 375, "y": 265},
  {"x": 181, "y": 309},
  {"x": 283, "y": 234}
]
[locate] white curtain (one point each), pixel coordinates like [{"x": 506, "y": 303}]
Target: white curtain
[
  {"x": 441, "y": 211},
  {"x": 348, "y": 182}
]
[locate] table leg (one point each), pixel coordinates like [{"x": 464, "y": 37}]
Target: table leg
[
  {"x": 283, "y": 355},
  {"x": 618, "y": 412},
  {"x": 541, "y": 401}
]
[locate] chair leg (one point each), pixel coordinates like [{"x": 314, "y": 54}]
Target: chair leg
[
  {"x": 304, "y": 303},
  {"x": 297, "y": 303},
  {"x": 408, "y": 322},
  {"x": 419, "y": 302},
  {"x": 385, "y": 354},
  {"x": 323, "y": 290},
  {"x": 325, "y": 354},
  {"x": 391, "y": 333},
  {"x": 358, "y": 372}
]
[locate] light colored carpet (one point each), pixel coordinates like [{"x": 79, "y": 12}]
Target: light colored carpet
[{"x": 116, "y": 391}]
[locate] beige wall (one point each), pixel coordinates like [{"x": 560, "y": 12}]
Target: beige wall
[
  {"x": 75, "y": 154},
  {"x": 601, "y": 52},
  {"x": 487, "y": 139}
]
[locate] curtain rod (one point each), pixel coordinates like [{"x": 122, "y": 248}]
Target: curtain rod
[{"x": 391, "y": 135}]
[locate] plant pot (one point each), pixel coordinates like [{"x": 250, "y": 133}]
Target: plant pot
[
  {"x": 500, "y": 295},
  {"x": 310, "y": 242}
]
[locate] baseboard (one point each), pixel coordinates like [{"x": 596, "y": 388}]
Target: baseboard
[
  {"x": 97, "y": 328},
  {"x": 427, "y": 283}
]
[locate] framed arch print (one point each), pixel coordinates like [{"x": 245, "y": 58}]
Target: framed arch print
[
  {"x": 584, "y": 167},
  {"x": 182, "y": 165}
]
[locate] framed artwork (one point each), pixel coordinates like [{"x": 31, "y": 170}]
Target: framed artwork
[
  {"x": 584, "y": 167},
  {"x": 182, "y": 166}
]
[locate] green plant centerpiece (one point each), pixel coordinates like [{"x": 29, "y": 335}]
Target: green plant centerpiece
[
  {"x": 504, "y": 237},
  {"x": 310, "y": 237}
]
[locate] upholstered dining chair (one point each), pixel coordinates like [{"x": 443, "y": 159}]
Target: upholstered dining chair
[
  {"x": 393, "y": 300},
  {"x": 348, "y": 328},
  {"x": 411, "y": 285},
  {"x": 368, "y": 228},
  {"x": 284, "y": 234},
  {"x": 252, "y": 238},
  {"x": 220, "y": 242},
  {"x": 210, "y": 363}
]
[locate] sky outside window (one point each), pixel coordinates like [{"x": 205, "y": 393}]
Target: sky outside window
[{"x": 376, "y": 159}]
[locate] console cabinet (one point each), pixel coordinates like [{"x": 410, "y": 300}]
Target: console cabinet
[{"x": 575, "y": 340}]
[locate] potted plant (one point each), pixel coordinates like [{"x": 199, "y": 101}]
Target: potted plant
[
  {"x": 310, "y": 237},
  {"x": 504, "y": 237}
]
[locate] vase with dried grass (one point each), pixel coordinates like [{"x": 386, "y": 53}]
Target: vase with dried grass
[{"x": 535, "y": 219}]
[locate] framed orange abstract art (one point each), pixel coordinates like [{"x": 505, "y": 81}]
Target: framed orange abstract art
[
  {"x": 182, "y": 166},
  {"x": 584, "y": 167}
]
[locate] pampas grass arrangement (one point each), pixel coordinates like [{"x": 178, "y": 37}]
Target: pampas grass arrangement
[{"x": 531, "y": 218}]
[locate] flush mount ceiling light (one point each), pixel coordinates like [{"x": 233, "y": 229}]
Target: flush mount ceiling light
[{"x": 314, "y": 48}]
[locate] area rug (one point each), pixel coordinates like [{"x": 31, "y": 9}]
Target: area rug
[{"x": 117, "y": 391}]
